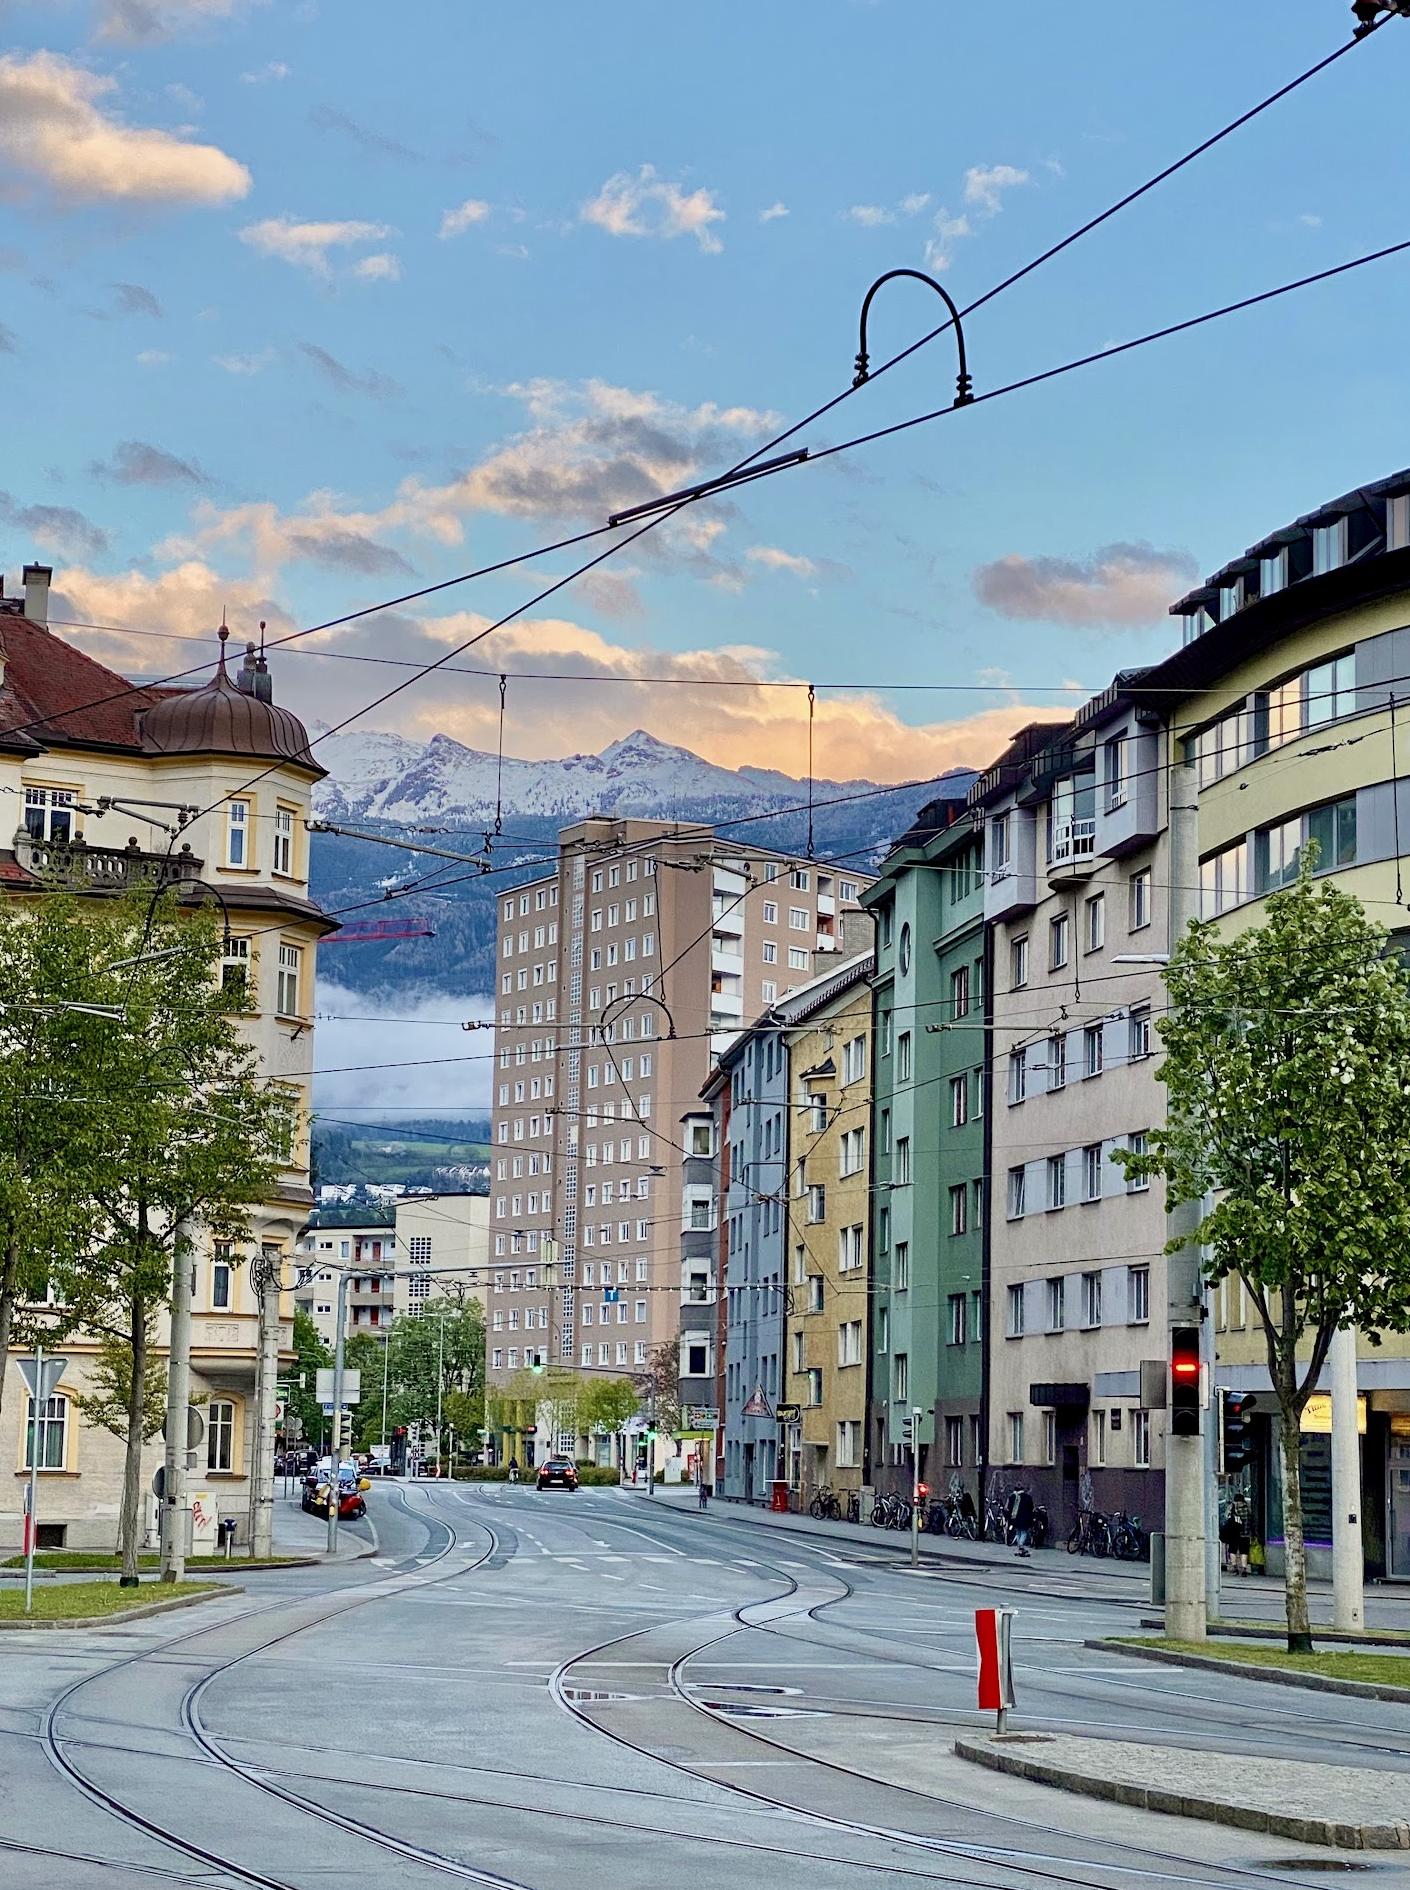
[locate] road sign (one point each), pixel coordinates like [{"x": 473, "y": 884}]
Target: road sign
[
  {"x": 789, "y": 1413},
  {"x": 323, "y": 1390},
  {"x": 195, "y": 1427},
  {"x": 159, "y": 1481},
  {"x": 43, "y": 1381},
  {"x": 758, "y": 1405}
]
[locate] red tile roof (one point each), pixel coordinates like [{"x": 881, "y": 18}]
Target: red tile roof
[{"x": 53, "y": 692}]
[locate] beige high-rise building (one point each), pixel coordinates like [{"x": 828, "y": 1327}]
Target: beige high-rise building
[{"x": 620, "y": 976}]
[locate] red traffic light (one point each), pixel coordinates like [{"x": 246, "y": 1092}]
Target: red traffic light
[{"x": 1184, "y": 1381}]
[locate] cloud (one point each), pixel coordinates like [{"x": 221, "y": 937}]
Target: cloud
[
  {"x": 244, "y": 364},
  {"x": 380, "y": 268},
  {"x": 187, "y": 600},
  {"x": 870, "y": 215},
  {"x": 365, "y": 1029},
  {"x": 153, "y": 357},
  {"x": 773, "y": 213},
  {"x": 775, "y": 560},
  {"x": 329, "y": 118},
  {"x": 59, "y": 527},
  {"x": 54, "y": 131},
  {"x": 136, "y": 463},
  {"x": 307, "y": 245},
  {"x": 319, "y": 533},
  {"x": 9, "y": 341},
  {"x": 913, "y": 205},
  {"x": 647, "y": 205},
  {"x": 135, "y": 21},
  {"x": 984, "y": 185},
  {"x": 456, "y": 222},
  {"x": 379, "y": 386},
  {"x": 270, "y": 74},
  {"x": 130, "y": 298},
  {"x": 1119, "y": 586}
]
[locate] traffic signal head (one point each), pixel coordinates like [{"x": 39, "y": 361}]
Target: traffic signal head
[
  {"x": 908, "y": 1431},
  {"x": 1184, "y": 1381},
  {"x": 1239, "y": 1446}
]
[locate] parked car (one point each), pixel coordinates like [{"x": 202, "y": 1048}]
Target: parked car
[{"x": 557, "y": 1473}]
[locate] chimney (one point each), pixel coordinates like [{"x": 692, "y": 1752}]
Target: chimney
[
  {"x": 37, "y": 579},
  {"x": 253, "y": 677}
]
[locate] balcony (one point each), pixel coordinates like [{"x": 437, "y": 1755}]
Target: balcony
[
  {"x": 1072, "y": 856},
  {"x": 78, "y": 867}
]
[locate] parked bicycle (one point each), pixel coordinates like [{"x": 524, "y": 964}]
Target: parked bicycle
[
  {"x": 825, "y": 1507},
  {"x": 1128, "y": 1540},
  {"x": 854, "y": 1506},
  {"x": 1090, "y": 1534},
  {"x": 891, "y": 1512}
]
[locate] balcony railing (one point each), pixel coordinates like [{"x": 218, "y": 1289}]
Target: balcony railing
[
  {"x": 1074, "y": 839},
  {"x": 81, "y": 868}
]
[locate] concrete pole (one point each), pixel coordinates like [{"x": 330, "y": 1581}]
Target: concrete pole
[
  {"x": 1185, "y": 1463},
  {"x": 440, "y": 1384},
  {"x": 386, "y": 1367},
  {"x": 339, "y": 1341},
  {"x": 266, "y": 1396},
  {"x": 915, "y": 1486},
  {"x": 176, "y": 1506},
  {"x": 31, "y": 1543},
  {"x": 1348, "y": 1563}
]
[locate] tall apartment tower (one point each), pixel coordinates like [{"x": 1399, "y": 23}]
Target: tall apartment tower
[{"x": 621, "y": 975}]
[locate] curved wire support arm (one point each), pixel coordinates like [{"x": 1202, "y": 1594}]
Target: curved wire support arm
[{"x": 964, "y": 385}]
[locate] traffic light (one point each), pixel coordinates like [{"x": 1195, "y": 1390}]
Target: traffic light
[
  {"x": 908, "y": 1431},
  {"x": 1184, "y": 1381},
  {"x": 342, "y": 1433},
  {"x": 1238, "y": 1430}
]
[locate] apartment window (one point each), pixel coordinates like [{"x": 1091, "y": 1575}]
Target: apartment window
[
  {"x": 53, "y": 1434},
  {"x": 901, "y": 1377},
  {"x": 901, "y": 1168},
  {"x": 850, "y": 1248},
  {"x": 1057, "y": 942},
  {"x": 847, "y": 890},
  {"x": 1092, "y": 1172},
  {"x": 1223, "y": 880},
  {"x": 886, "y": 1033},
  {"x": 1140, "y": 1026},
  {"x": 1138, "y": 1295},
  {"x": 48, "y": 813},
  {"x": 1136, "y": 1142},
  {"x": 1015, "y": 1437},
  {"x": 959, "y": 1101},
  {"x": 770, "y": 913},
  {"x": 1226, "y": 744},
  {"x": 1096, "y": 922},
  {"x": 854, "y": 1060},
  {"x": 1018, "y": 961},
  {"x": 291, "y": 960},
  {"x": 768, "y": 991},
  {"x": 1050, "y": 1437},
  {"x": 849, "y": 1433},
  {"x": 1014, "y": 1321},
  {"x": 817, "y": 1202},
  {"x": 1141, "y": 1439},
  {"x": 797, "y": 958},
  {"x": 237, "y": 833},
  {"x": 954, "y": 1443},
  {"x": 1098, "y": 1439},
  {"x": 903, "y": 1057},
  {"x": 959, "y": 1208},
  {"x": 1093, "y": 1050},
  {"x": 220, "y": 1280},
  {"x": 220, "y": 1435},
  {"x": 283, "y": 839},
  {"x": 1017, "y": 1191},
  {"x": 1398, "y": 522},
  {"x": 798, "y": 879},
  {"x": 798, "y": 918},
  {"x": 1114, "y": 753},
  {"x": 901, "y": 1267},
  {"x": 235, "y": 967},
  {"x": 1057, "y": 1304},
  {"x": 851, "y": 1156},
  {"x": 1329, "y": 546},
  {"x": 770, "y": 952},
  {"x": 1091, "y": 1299},
  {"x": 1057, "y": 1062},
  {"x": 959, "y": 992},
  {"x": 815, "y": 1385},
  {"x": 815, "y": 1292},
  {"x": 958, "y": 1305},
  {"x": 849, "y": 1342},
  {"x": 1018, "y": 1074},
  {"x": 1001, "y": 843},
  {"x": 1140, "y": 885},
  {"x": 1057, "y": 1181}
]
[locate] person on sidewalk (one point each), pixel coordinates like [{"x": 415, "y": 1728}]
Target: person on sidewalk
[
  {"x": 703, "y": 1494},
  {"x": 513, "y": 1469},
  {"x": 1020, "y": 1519}
]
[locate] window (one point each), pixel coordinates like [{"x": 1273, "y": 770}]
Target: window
[
  {"x": 1398, "y": 522},
  {"x": 1091, "y": 1299},
  {"x": 798, "y": 879},
  {"x": 1096, "y": 922},
  {"x": 959, "y": 1101},
  {"x": 1223, "y": 880},
  {"x": 958, "y": 1304},
  {"x": 1226, "y": 744},
  {"x": 220, "y": 1280},
  {"x": 815, "y": 1385},
  {"x": 854, "y": 1060},
  {"x": 1057, "y": 1181},
  {"x": 903, "y": 1057},
  {"x": 1014, "y": 1322},
  {"x": 1140, "y": 1030},
  {"x": 886, "y": 1033},
  {"x": 48, "y": 813},
  {"x": 959, "y": 992},
  {"x": 1333, "y": 827},
  {"x": 235, "y": 967},
  {"x": 1138, "y": 1295},
  {"x": 851, "y": 1156},
  {"x": 1018, "y": 961},
  {"x": 291, "y": 960},
  {"x": 959, "y": 1209},
  {"x": 797, "y": 918},
  {"x": 1015, "y": 1437},
  {"x": 849, "y": 1439},
  {"x": 1018, "y": 1074},
  {"x": 237, "y": 833},
  {"x": 768, "y": 991},
  {"x": 1136, "y": 1142},
  {"x": 770, "y": 912},
  {"x": 770, "y": 952},
  {"x": 850, "y": 1248},
  {"x": 1001, "y": 843},
  {"x": 815, "y": 1292},
  {"x": 283, "y": 839},
  {"x": 847, "y": 890},
  {"x": 849, "y": 1342},
  {"x": 1329, "y": 545},
  {"x": 1093, "y": 1050},
  {"x": 901, "y": 1267},
  {"x": 1057, "y": 1062},
  {"x": 817, "y": 1202},
  {"x": 901, "y": 1175},
  {"x": 797, "y": 958},
  {"x": 1050, "y": 1437},
  {"x": 1114, "y": 754},
  {"x": 901, "y": 1377},
  {"x": 1057, "y": 942},
  {"x": 220, "y": 1435},
  {"x": 1141, "y": 1439},
  {"x": 1017, "y": 1191},
  {"x": 1098, "y": 1456},
  {"x": 1092, "y": 1172},
  {"x": 1140, "y": 885},
  {"x": 53, "y": 1434},
  {"x": 954, "y": 1443},
  {"x": 1057, "y": 1304}
]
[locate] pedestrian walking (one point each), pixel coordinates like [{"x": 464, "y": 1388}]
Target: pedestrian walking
[
  {"x": 703, "y": 1494},
  {"x": 1020, "y": 1518}
]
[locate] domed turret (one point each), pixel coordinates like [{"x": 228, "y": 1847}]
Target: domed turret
[{"x": 226, "y": 719}]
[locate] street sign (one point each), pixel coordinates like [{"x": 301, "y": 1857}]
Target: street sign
[
  {"x": 323, "y": 1390},
  {"x": 42, "y": 1383},
  {"x": 159, "y": 1481},
  {"x": 195, "y": 1427},
  {"x": 758, "y": 1405},
  {"x": 789, "y": 1413},
  {"x": 703, "y": 1417}
]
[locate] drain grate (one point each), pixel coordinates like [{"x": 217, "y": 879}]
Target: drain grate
[{"x": 1312, "y": 1863}]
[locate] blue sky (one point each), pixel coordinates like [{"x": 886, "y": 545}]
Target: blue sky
[{"x": 301, "y": 305}]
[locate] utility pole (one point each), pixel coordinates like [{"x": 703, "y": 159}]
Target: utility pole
[
  {"x": 1348, "y": 1561},
  {"x": 440, "y": 1383},
  {"x": 176, "y": 1508},
  {"x": 339, "y": 1349},
  {"x": 386, "y": 1367},
  {"x": 265, "y": 1278},
  {"x": 651, "y": 1441},
  {"x": 915, "y": 1485}
]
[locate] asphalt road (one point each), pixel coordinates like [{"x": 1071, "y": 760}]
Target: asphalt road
[{"x": 584, "y": 1692}]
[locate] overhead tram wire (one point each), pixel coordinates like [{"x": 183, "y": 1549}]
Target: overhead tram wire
[{"x": 828, "y": 406}]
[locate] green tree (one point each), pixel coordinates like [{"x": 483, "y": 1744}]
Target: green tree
[
  {"x": 311, "y": 1355},
  {"x": 605, "y": 1404},
  {"x": 660, "y": 1385},
  {"x": 1287, "y": 1076},
  {"x": 441, "y": 1349},
  {"x": 110, "y": 1402},
  {"x": 185, "y": 1133}
]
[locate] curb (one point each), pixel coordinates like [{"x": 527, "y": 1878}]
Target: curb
[
  {"x": 126, "y": 1614},
  {"x": 1264, "y": 1631},
  {"x": 1344, "y": 1837},
  {"x": 1280, "y": 1676}
]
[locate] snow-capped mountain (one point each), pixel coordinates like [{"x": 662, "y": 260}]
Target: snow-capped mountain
[{"x": 385, "y": 777}]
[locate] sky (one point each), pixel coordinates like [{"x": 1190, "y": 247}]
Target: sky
[{"x": 306, "y": 305}]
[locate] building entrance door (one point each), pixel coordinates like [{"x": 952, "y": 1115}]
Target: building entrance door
[{"x": 1398, "y": 1500}]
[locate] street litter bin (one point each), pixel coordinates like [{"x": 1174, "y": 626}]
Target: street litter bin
[{"x": 226, "y": 1529}]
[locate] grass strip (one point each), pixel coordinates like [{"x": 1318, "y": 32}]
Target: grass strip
[
  {"x": 96, "y": 1562},
  {"x": 79, "y": 1601},
  {"x": 1392, "y": 1670}
]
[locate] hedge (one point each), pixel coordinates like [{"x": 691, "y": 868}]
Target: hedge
[{"x": 480, "y": 1473}]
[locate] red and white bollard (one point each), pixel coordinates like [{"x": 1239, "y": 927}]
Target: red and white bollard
[{"x": 992, "y": 1637}]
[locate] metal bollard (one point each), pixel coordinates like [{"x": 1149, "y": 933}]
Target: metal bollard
[{"x": 1158, "y": 1567}]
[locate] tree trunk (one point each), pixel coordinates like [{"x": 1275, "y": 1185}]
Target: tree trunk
[
  {"x": 130, "y": 1520},
  {"x": 9, "y": 1278},
  {"x": 1294, "y": 1549}
]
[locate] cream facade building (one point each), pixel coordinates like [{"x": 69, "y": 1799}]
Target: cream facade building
[{"x": 103, "y": 778}]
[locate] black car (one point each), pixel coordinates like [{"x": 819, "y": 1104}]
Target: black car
[{"x": 557, "y": 1473}]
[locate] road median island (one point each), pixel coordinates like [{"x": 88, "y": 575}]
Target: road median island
[
  {"x": 94, "y": 1604},
  {"x": 1343, "y": 1807},
  {"x": 1362, "y": 1676}
]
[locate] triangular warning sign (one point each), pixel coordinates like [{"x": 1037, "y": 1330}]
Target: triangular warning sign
[{"x": 758, "y": 1405}]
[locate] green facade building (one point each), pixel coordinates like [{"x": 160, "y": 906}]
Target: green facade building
[{"x": 928, "y": 1193}]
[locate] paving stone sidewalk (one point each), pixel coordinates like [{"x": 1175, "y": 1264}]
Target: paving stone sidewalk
[{"x": 1335, "y": 1805}]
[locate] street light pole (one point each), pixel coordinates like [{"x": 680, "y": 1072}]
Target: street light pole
[
  {"x": 440, "y": 1385},
  {"x": 386, "y": 1367},
  {"x": 175, "y": 1507}
]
